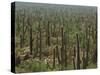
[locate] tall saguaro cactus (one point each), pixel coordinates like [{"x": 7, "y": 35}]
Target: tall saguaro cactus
[
  {"x": 87, "y": 44},
  {"x": 62, "y": 49},
  {"x": 78, "y": 53},
  {"x": 58, "y": 55},
  {"x": 87, "y": 52},
  {"x": 23, "y": 26},
  {"x": 18, "y": 28},
  {"x": 21, "y": 44},
  {"x": 37, "y": 44},
  {"x": 30, "y": 37},
  {"x": 31, "y": 41},
  {"x": 48, "y": 34},
  {"x": 84, "y": 60},
  {"x": 40, "y": 44},
  {"x": 74, "y": 56},
  {"x": 65, "y": 50},
  {"x": 54, "y": 56}
]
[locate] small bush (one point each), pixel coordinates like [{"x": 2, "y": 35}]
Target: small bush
[{"x": 31, "y": 66}]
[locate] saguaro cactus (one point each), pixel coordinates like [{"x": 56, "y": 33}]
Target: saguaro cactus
[
  {"x": 54, "y": 29},
  {"x": 40, "y": 52},
  {"x": 62, "y": 49},
  {"x": 23, "y": 26},
  {"x": 58, "y": 55},
  {"x": 87, "y": 44},
  {"x": 21, "y": 41},
  {"x": 31, "y": 44},
  {"x": 48, "y": 34},
  {"x": 65, "y": 49},
  {"x": 74, "y": 56},
  {"x": 84, "y": 60},
  {"x": 87, "y": 52},
  {"x": 94, "y": 56},
  {"x": 54, "y": 56},
  {"x": 78, "y": 53},
  {"x": 36, "y": 51},
  {"x": 30, "y": 32}
]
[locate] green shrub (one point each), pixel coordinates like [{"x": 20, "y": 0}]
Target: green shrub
[{"x": 31, "y": 66}]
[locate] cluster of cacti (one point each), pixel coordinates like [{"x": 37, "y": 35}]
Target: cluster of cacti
[{"x": 50, "y": 33}]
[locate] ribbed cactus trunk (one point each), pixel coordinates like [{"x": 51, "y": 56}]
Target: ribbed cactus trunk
[
  {"x": 87, "y": 52},
  {"x": 40, "y": 52},
  {"x": 19, "y": 29},
  {"x": 74, "y": 56},
  {"x": 87, "y": 45},
  {"x": 21, "y": 41},
  {"x": 31, "y": 44},
  {"x": 37, "y": 44},
  {"x": 84, "y": 61},
  {"x": 65, "y": 58},
  {"x": 23, "y": 32},
  {"x": 54, "y": 26},
  {"x": 30, "y": 35},
  {"x": 94, "y": 56},
  {"x": 54, "y": 56},
  {"x": 62, "y": 49},
  {"x": 84, "y": 53},
  {"x": 48, "y": 34},
  {"x": 78, "y": 53},
  {"x": 51, "y": 30},
  {"x": 65, "y": 50},
  {"x": 58, "y": 55}
]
